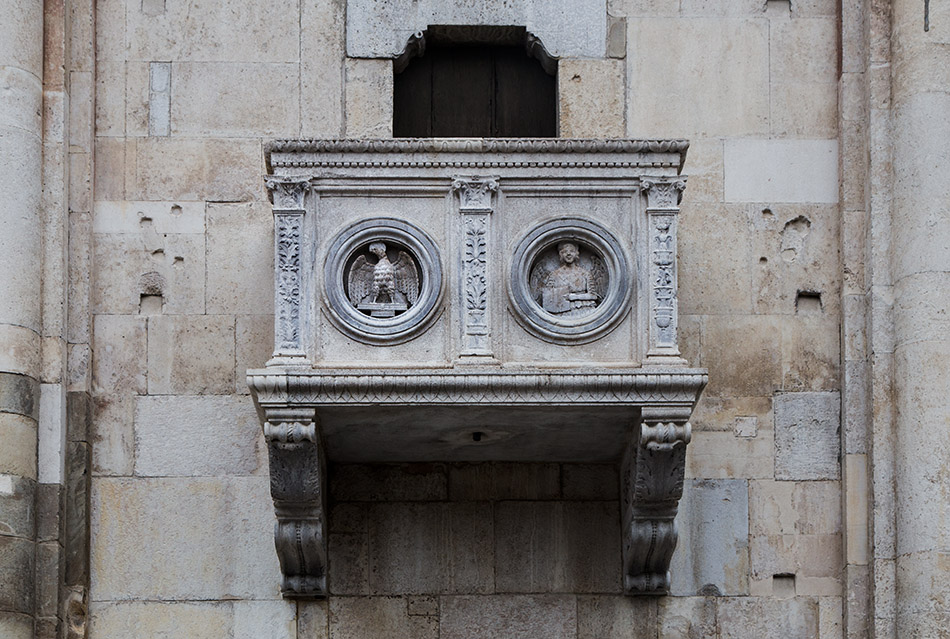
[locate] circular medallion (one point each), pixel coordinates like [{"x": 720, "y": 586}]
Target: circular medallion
[
  {"x": 383, "y": 281},
  {"x": 570, "y": 282}
]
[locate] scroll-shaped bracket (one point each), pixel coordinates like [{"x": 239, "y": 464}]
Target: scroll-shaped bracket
[
  {"x": 653, "y": 470},
  {"x": 298, "y": 487}
]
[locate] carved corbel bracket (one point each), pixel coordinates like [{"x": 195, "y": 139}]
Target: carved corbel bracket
[
  {"x": 298, "y": 487},
  {"x": 653, "y": 470}
]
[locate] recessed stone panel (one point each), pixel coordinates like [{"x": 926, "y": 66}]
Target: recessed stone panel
[{"x": 807, "y": 436}]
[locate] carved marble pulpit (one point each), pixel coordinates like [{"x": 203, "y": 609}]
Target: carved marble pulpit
[{"x": 476, "y": 300}]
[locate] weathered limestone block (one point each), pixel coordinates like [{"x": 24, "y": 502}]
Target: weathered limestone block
[
  {"x": 235, "y": 99},
  {"x": 240, "y": 255},
  {"x": 112, "y": 435},
  {"x": 16, "y": 626},
  {"x": 358, "y": 617},
  {"x": 787, "y": 508},
  {"x": 767, "y": 618},
  {"x": 713, "y": 554},
  {"x": 20, "y": 395},
  {"x": 17, "y": 506},
  {"x": 499, "y": 481},
  {"x": 176, "y": 30},
  {"x": 814, "y": 561},
  {"x": 21, "y": 31},
  {"x": 501, "y": 616},
  {"x": 714, "y": 257},
  {"x": 227, "y": 424},
  {"x": 411, "y": 482},
  {"x": 192, "y": 169},
  {"x": 254, "y": 343},
  {"x": 120, "y": 363},
  {"x": 190, "y": 354},
  {"x": 811, "y": 352},
  {"x": 687, "y": 617},
  {"x": 749, "y": 370},
  {"x": 369, "y": 108},
  {"x": 17, "y": 587},
  {"x": 22, "y": 102},
  {"x": 195, "y": 619},
  {"x": 20, "y": 352},
  {"x": 566, "y": 28},
  {"x": 430, "y": 548},
  {"x": 322, "y": 32},
  {"x": 182, "y": 538},
  {"x": 733, "y": 51},
  {"x": 582, "y": 535},
  {"x": 591, "y": 98},
  {"x": 614, "y": 616},
  {"x": 18, "y": 453},
  {"x": 807, "y": 436},
  {"x": 169, "y": 267},
  {"x": 723, "y": 455},
  {"x": 781, "y": 170}
]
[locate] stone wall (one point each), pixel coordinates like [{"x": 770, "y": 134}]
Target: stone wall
[{"x": 147, "y": 165}]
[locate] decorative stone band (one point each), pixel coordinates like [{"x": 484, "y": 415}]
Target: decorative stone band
[
  {"x": 464, "y": 153},
  {"x": 630, "y": 387},
  {"x": 298, "y": 480}
]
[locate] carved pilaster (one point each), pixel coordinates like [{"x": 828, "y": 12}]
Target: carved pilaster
[
  {"x": 653, "y": 469},
  {"x": 663, "y": 197},
  {"x": 475, "y": 205},
  {"x": 289, "y": 212},
  {"x": 298, "y": 486}
]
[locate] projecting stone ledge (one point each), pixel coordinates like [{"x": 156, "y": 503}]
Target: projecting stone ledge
[{"x": 639, "y": 415}]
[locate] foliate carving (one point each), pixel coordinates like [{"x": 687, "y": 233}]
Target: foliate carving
[
  {"x": 287, "y": 192},
  {"x": 663, "y": 193},
  {"x": 653, "y": 472},
  {"x": 395, "y": 387},
  {"x": 475, "y": 193},
  {"x": 298, "y": 480},
  {"x": 288, "y": 282},
  {"x": 663, "y": 279},
  {"x": 475, "y": 204}
]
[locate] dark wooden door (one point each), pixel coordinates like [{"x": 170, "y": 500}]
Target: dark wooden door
[{"x": 474, "y": 91}]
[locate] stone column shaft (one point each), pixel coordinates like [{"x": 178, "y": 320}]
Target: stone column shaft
[
  {"x": 21, "y": 262},
  {"x": 920, "y": 276}
]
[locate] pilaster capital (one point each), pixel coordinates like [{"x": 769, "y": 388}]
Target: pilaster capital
[
  {"x": 663, "y": 192},
  {"x": 287, "y": 192},
  {"x": 475, "y": 193}
]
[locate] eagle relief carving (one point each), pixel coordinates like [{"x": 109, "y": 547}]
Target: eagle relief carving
[{"x": 385, "y": 288}]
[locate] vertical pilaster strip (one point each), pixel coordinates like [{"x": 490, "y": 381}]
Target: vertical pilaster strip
[
  {"x": 475, "y": 207},
  {"x": 663, "y": 197},
  {"x": 289, "y": 242}
]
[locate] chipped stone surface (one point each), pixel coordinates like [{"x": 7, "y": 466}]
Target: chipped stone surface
[
  {"x": 712, "y": 554},
  {"x": 807, "y": 436}
]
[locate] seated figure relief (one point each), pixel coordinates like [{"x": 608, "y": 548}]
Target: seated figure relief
[
  {"x": 386, "y": 288},
  {"x": 568, "y": 283}
]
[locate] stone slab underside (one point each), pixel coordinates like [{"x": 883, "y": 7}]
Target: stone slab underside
[{"x": 638, "y": 417}]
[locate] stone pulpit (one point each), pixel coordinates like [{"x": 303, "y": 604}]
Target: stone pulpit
[{"x": 476, "y": 300}]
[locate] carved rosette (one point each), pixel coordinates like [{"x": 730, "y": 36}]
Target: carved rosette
[
  {"x": 288, "y": 197},
  {"x": 298, "y": 481},
  {"x": 663, "y": 197},
  {"x": 653, "y": 470},
  {"x": 475, "y": 205}
]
